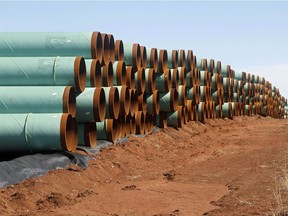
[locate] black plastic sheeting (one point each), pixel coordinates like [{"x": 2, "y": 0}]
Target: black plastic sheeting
[{"x": 15, "y": 168}]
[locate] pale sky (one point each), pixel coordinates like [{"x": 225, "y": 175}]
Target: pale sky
[{"x": 246, "y": 35}]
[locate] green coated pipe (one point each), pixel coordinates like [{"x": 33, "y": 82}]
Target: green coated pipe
[
  {"x": 107, "y": 130},
  {"x": 163, "y": 80},
  {"x": 248, "y": 109},
  {"x": 175, "y": 119},
  {"x": 152, "y": 58},
  {"x": 31, "y": 44},
  {"x": 203, "y": 93},
  {"x": 227, "y": 110},
  {"x": 93, "y": 73},
  {"x": 43, "y": 71},
  {"x": 90, "y": 105},
  {"x": 132, "y": 55},
  {"x": 169, "y": 101},
  {"x": 203, "y": 78},
  {"x": 119, "y": 73},
  {"x": 172, "y": 58},
  {"x": 37, "y": 99},
  {"x": 37, "y": 132},
  {"x": 215, "y": 82},
  {"x": 216, "y": 96},
  {"x": 112, "y": 98},
  {"x": 87, "y": 134},
  {"x": 153, "y": 103}
]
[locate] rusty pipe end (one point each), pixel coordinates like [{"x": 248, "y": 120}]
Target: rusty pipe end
[
  {"x": 182, "y": 57},
  {"x": 173, "y": 99},
  {"x": 143, "y": 56},
  {"x": 141, "y": 80},
  {"x": 167, "y": 79},
  {"x": 111, "y": 47},
  {"x": 125, "y": 100},
  {"x": 140, "y": 121},
  {"x": 95, "y": 73},
  {"x": 156, "y": 102},
  {"x": 163, "y": 59},
  {"x": 96, "y": 45},
  {"x": 68, "y": 132},
  {"x": 121, "y": 73},
  {"x": 153, "y": 59},
  {"x": 151, "y": 80},
  {"x": 114, "y": 103},
  {"x": 130, "y": 76},
  {"x": 90, "y": 134},
  {"x": 112, "y": 130},
  {"x": 69, "y": 101},
  {"x": 99, "y": 105},
  {"x": 105, "y": 49},
  {"x": 79, "y": 74},
  {"x": 119, "y": 50}
]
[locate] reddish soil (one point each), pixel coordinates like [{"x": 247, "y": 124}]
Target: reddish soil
[{"x": 223, "y": 167}]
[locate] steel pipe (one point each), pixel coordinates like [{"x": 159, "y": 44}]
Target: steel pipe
[
  {"x": 38, "y": 99},
  {"x": 111, "y": 47},
  {"x": 107, "y": 130},
  {"x": 150, "y": 80},
  {"x": 90, "y": 105},
  {"x": 142, "y": 104},
  {"x": 152, "y": 58},
  {"x": 162, "y": 60},
  {"x": 37, "y": 132},
  {"x": 132, "y": 55},
  {"x": 140, "y": 80},
  {"x": 174, "y": 78},
  {"x": 201, "y": 108},
  {"x": 181, "y": 73},
  {"x": 125, "y": 99},
  {"x": 181, "y": 58},
  {"x": 119, "y": 73},
  {"x": 31, "y": 44},
  {"x": 169, "y": 101},
  {"x": 175, "y": 119},
  {"x": 143, "y": 52},
  {"x": 87, "y": 134},
  {"x": 227, "y": 110},
  {"x": 172, "y": 58},
  {"x": 153, "y": 103},
  {"x": 219, "y": 111},
  {"x": 112, "y": 98},
  {"x": 163, "y": 80},
  {"x": 140, "y": 122},
  {"x": 93, "y": 73},
  {"x": 105, "y": 49},
  {"x": 133, "y": 102},
  {"x": 107, "y": 75},
  {"x": 189, "y": 60},
  {"x": 182, "y": 95},
  {"x": 130, "y": 77},
  {"x": 119, "y": 50},
  {"x": 43, "y": 71}
]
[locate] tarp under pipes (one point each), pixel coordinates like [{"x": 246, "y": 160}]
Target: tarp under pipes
[{"x": 16, "y": 168}]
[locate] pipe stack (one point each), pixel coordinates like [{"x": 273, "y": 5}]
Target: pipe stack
[{"x": 77, "y": 88}]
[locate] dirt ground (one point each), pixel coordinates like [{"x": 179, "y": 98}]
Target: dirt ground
[{"x": 223, "y": 167}]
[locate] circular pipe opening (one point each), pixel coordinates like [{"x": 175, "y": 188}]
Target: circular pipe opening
[
  {"x": 119, "y": 50},
  {"x": 121, "y": 124},
  {"x": 130, "y": 76},
  {"x": 96, "y": 45},
  {"x": 68, "y": 132},
  {"x": 182, "y": 80},
  {"x": 140, "y": 121},
  {"x": 111, "y": 47},
  {"x": 69, "y": 101},
  {"x": 183, "y": 95},
  {"x": 173, "y": 99},
  {"x": 142, "y": 105},
  {"x": 107, "y": 75},
  {"x": 124, "y": 100},
  {"x": 174, "y": 58},
  {"x": 163, "y": 60},
  {"x": 151, "y": 80},
  {"x": 143, "y": 56},
  {"x": 99, "y": 105},
  {"x": 79, "y": 74},
  {"x": 133, "y": 102},
  {"x": 105, "y": 49},
  {"x": 141, "y": 80},
  {"x": 180, "y": 117},
  {"x": 90, "y": 134},
  {"x": 136, "y": 55},
  {"x": 153, "y": 58},
  {"x": 121, "y": 73},
  {"x": 175, "y": 78},
  {"x": 189, "y": 60},
  {"x": 219, "y": 68},
  {"x": 114, "y": 103},
  {"x": 156, "y": 102},
  {"x": 112, "y": 130},
  {"x": 181, "y": 54},
  {"x": 194, "y": 62},
  {"x": 95, "y": 73}
]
